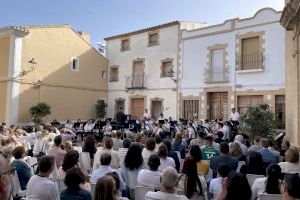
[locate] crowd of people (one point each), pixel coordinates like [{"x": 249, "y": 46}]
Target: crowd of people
[{"x": 188, "y": 159}]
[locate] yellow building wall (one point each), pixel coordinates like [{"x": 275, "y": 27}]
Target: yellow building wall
[
  {"x": 4, "y": 60},
  {"x": 70, "y": 94}
]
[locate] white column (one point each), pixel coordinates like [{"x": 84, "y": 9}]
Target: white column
[{"x": 13, "y": 86}]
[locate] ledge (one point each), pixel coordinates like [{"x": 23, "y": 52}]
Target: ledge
[{"x": 249, "y": 71}]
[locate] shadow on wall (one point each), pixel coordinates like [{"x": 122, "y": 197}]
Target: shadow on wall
[{"x": 71, "y": 94}]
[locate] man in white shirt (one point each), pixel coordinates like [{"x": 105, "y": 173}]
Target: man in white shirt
[
  {"x": 169, "y": 180},
  {"x": 147, "y": 114},
  {"x": 150, "y": 177},
  {"x": 161, "y": 117},
  {"x": 215, "y": 185},
  {"x": 234, "y": 118},
  {"x": 40, "y": 186}
]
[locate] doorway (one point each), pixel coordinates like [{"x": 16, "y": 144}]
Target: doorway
[
  {"x": 218, "y": 102},
  {"x": 156, "y": 109},
  {"x": 137, "y": 107}
]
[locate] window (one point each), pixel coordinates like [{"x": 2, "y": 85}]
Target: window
[
  {"x": 125, "y": 45},
  {"x": 103, "y": 75},
  {"x": 153, "y": 39},
  {"x": 217, "y": 71},
  {"x": 114, "y": 74},
  {"x": 166, "y": 67},
  {"x": 75, "y": 64},
  {"x": 251, "y": 57},
  {"x": 245, "y": 102},
  {"x": 280, "y": 111},
  {"x": 190, "y": 108}
]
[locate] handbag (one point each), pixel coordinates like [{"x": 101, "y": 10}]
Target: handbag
[{"x": 41, "y": 154}]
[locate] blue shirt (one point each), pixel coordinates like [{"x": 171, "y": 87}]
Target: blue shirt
[
  {"x": 267, "y": 156},
  {"x": 23, "y": 170},
  {"x": 75, "y": 194}
]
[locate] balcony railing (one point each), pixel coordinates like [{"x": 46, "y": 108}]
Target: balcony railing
[
  {"x": 136, "y": 82},
  {"x": 216, "y": 74},
  {"x": 250, "y": 62}
]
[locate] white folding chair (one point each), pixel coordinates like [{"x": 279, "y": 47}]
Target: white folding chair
[
  {"x": 17, "y": 191},
  {"x": 77, "y": 148},
  {"x": 240, "y": 165},
  {"x": 86, "y": 161},
  {"x": 140, "y": 192},
  {"x": 60, "y": 185},
  {"x": 252, "y": 177},
  {"x": 93, "y": 187},
  {"x": 270, "y": 197}
]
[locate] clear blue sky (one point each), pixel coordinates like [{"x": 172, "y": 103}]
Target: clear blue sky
[{"x": 103, "y": 18}]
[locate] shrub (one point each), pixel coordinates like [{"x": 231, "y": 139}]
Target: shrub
[
  {"x": 39, "y": 111},
  {"x": 101, "y": 109}
]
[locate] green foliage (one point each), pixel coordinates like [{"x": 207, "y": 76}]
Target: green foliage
[
  {"x": 258, "y": 121},
  {"x": 101, "y": 109},
  {"x": 39, "y": 111}
]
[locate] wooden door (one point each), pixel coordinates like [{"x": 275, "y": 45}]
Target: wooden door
[
  {"x": 138, "y": 74},
  {"x": 219, "y": 105},
  {"x": 137, "y": 107},
  {"x": 156, "y": 109}
]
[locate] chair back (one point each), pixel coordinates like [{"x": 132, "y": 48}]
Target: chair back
[
  {"x": 252, "y": 177},
  {"x": 60, "y": 185},
  {"x": 240, "y": 165},
  {"x": 140, "y": 192},
  {"x": 86, "y": 161},
  {"x": 16, "y": 184},
  {"x": 270, "y": 197}
]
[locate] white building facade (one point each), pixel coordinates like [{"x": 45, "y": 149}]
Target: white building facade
[
  {"x": 139, "y": 74},
  {"x": 239, "y": 63}
]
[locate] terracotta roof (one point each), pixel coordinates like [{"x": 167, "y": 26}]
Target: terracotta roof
[{"x": 143, "y": 30}]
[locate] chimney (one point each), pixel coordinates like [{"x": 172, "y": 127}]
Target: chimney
[{"x": 84, "y": 36}]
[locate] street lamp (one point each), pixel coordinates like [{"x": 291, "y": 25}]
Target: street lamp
[
  {"x": 171, "y": 74},
  {"x": 32, "y": 65}
]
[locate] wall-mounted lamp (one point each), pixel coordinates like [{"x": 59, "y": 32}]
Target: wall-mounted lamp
[
  {"x": 32, "y": 65},
  {"x": 171, "y": 74}
]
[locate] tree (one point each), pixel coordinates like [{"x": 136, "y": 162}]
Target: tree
[
  {"x": 39, "y": 111},
  {"x": 258, "y": 121},
  {"x": 101, "y": 109}
]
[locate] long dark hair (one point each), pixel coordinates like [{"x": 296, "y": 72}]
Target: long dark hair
[
  {"x": 70, "y": 160},
  {"x": 196, "y": 153},
  {"x": 89, "y": 144},
  {"x": 273, "y": 176},
  {"x": 192, "y": 179},
  {"x": 134, "y": 159},
  {"x": 255, "y": 163},
  {"x": 238, "y": 187}
]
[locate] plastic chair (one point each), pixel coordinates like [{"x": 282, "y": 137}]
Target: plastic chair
[
  {"x": 240, "y": 165},
  {"x": 61, "y": 185},
  {"x": 17, "y": 191},
  {"x": 270, "y": 197},
  {"x": 86, "y": 161},
  {"x": 252, "y": 177},
  {"x": 140, "y": 192}
]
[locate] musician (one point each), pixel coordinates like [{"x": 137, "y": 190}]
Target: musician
[
  {"x": 107, "y": 129},
  {"x": 166, "y": 126},
  {"x": 121, "y": 117},
  {"x": 88, "y": 128},
  {"x": 146, "y": 114},
  {"x": 161, "y": 117},
  {"x": 69, "y": 125}
]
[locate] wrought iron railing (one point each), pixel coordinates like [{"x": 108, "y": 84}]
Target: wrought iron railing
[
  {"x": 250, "y": 61},
  {"x": 216, "y": 74}
]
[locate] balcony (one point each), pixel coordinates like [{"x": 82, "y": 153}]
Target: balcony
[
  {"x": 216, "y": 74},
  {"x": 250, "y": 62},
  {"x": 136, "y": 82}
]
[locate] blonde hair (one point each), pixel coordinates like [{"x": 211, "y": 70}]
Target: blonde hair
[
  {"x": 236, "y": 150},
  {"x": 292, "y": 155},
  {"x": 68, "y": 146}
]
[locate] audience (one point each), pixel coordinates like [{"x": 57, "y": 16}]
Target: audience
[
  {"x": 148, "y": 150},
  {"x": 40, "y": 186},
  {"x": 41, "y": 145},
  {"x": 107, "y": 148},
  {"x": 236, "y": 151},
  {"x": 267, "y": 156},
  {"x": 254, "y": 164},
  {"x": 240, "y": 140},
  {"x": 150, "y": 177},
  {"x": 5, "y": 178},
  {"x": 235, "y": 187},
  {"x": 167, "y": 190},
  {"x": 118, "y": 142},
  {"x": 123, "y": 151},
  {"x": 256, "y": 145},
  {"x": 202, "y": 166},
  {"x": 74, "y": 177},
  {"x": 71, "y": 159},
  {"x": 291, "y": 164},
  {"x": 215, "y": 185},
  {"x": 57, "y": 152},
  {"x": 172, "y": 154},
  {"x": 209, "y": 151},
  {"x": 193, "y": 186},
  {"x": 22, "y": 168},
  {"x": 165, "y": 161},
  {"x": 269, "y": 184},
  {"x": 106, "y": 189},
  {"x": 224, "y": 158},
  {"x": 89, "y": 145},
  {"x": 133, "y": 164},
  {"x": 290, "y": 187},
  {"x": 178, "y": 145}
]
